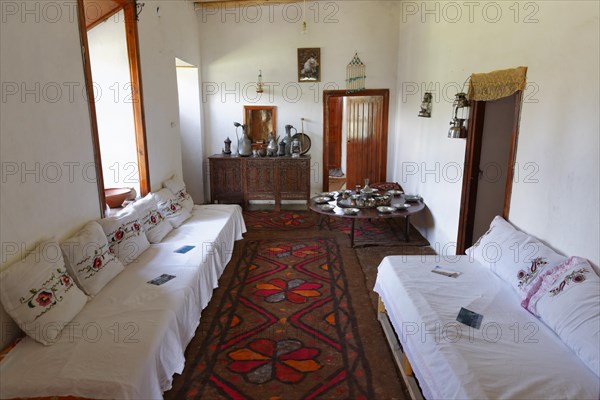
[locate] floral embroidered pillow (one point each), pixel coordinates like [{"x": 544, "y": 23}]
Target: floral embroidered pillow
[
  {"x": 125, "y": 235},
  {"x": 171, "y": 207},
  {"x": 177, "y": 187},
  {"x": 522, "y": 261},
  {"x": 567, "y": 298},
  {"x": 89, "y": 259},
  {"x": 40, "y": 295},
  {"x": 154, "y": 223}
]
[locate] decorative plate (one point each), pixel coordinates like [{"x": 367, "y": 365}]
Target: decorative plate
[
  {"x": 402, "y": 206},
  {"x": 386, "y": 209},
  {"x": 351, "y": 211},
  {"x": 394, "y": 192},
  {"x": 322, "y": 199}
]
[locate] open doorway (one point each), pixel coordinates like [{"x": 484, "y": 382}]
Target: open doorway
[
  {"x": 354, "y": 137},
  {"x": 192, "y": 144},
  {"x": 489, "y": 166}
]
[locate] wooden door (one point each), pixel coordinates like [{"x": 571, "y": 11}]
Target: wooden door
[
  {"x": 366, "y": 144},
  {"x": 335, "y": 132}
]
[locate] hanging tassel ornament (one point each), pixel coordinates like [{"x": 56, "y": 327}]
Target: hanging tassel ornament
[{"x": 355, "y": 75}]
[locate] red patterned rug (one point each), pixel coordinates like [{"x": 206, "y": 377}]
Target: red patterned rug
[
  {"x": 375, "y": 232},
  {"x": 291, "y": 320}
]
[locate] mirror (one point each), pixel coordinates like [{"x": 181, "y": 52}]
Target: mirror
[{"x": 260, "y": 121}]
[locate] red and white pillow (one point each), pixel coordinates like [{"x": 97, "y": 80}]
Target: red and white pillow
[
  {"x": 154, "y": 223},
  {"x": 40, "y": 295},
  {"x": 567, "y": 298},
  {"x": 171, "y": 207},
  {"x": 177, "y": 187},
  {"x": 125, "y": 235},
  {"x": 89, "y": 260}
]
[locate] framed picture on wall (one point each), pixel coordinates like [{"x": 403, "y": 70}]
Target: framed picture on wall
[{"x": 309, "y": 64}]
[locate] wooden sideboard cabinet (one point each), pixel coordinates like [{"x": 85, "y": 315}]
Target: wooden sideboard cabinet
[
  {"x": 242, "y": 179},
  {"x": 226, "y": 179}
]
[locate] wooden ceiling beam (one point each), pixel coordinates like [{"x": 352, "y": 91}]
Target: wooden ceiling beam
[{"x": 239, "y": 3}]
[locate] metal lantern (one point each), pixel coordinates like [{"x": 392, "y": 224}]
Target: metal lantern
[{"x": 457, "y": 128}]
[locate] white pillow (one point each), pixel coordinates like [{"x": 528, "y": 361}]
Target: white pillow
[
  {"x": 171, "y": 207},
  {"x": 40, "y": 295},
  {"x": 514, "y": 256},
  {"x": 488, "y": 248},
  {"x": 153, "y": 222},
  {"x": 177, "y": 187},
  {"x": 125, "y": 235},
  {"x": 89, "y": 260},
  {"x": 567, "y": 299}
]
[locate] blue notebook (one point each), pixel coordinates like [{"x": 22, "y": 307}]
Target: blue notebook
[{"x": 184, "y": 249}]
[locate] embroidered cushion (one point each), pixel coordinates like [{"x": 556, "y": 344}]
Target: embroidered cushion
[
  {"x": 125, "y": 235},
  {"x": 514, "y": 256},
  {"x": 177, "y": 187},
  {"x": 89, "y": 260},
  {"x": 567, "y": 298},
  {"x": 154, "y": 223},
  {"x": 171, "y": 207},
  {"x": 40, "y": 295}
]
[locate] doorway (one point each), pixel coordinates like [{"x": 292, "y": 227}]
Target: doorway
[
  {"x": 489, "y": 166},
  {"x": 192, "y": 143},
  {"x": 354, "y": 137}
]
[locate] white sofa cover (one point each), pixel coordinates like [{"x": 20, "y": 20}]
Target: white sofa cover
[
  {"x": 130, "y": 339},
  {"x": 513, "y": 355}
]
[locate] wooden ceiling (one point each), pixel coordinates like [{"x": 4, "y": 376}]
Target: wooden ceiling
[
  {"x": 97, "y": 11},
  {"x": 239, "y": 3}
]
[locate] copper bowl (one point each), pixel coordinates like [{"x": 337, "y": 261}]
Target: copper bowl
[{"x": 116, "y": 196}]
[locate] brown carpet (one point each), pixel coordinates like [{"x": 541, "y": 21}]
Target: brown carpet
[{"x": 215, "y": 371}]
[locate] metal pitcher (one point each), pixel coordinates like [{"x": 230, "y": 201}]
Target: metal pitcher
[
  {"x": 288, "y": 139},
  {"x": 244, "y": 144},
  {"x": 272, "y": 145}
]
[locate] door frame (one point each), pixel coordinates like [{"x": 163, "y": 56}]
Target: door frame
[
  {"x": 471, "y": 175},
  {"x": 385, "y": 93}
]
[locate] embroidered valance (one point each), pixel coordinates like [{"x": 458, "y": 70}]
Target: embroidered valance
[{"x": 497, "y": 84}]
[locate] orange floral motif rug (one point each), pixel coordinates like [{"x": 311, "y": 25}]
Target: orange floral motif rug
[{"x": 286, "y": 327}]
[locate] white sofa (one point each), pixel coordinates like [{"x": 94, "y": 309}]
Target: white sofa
[
  {"x": 540, "y": 333},
  {"x": 129, "y": 339}
]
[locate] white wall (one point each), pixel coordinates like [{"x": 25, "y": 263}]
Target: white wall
[
  {"x": 168, "y": 30},
  {"x": 45, "y": 125},
  {"x": 114, "y": 109},
  {"x": 48, "y": 183},
  {"x": 556, "y": 195},
  {"x": 267, "y": 38}
]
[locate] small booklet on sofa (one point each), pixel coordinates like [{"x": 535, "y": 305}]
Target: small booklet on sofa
[
  {"x": 164, "y": 278},
  {"x": 446, "y": 272},
  {"x": 184, "y": 249},
  {"x": 469, "y": 318}
]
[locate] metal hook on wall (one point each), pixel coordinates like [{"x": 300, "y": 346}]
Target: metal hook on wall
[{"x": 138, "y": 10}]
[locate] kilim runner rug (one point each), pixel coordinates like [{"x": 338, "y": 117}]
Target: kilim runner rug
[
  {"x": 290, "y": 320},
  {"x": 375, "y": 232}
]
